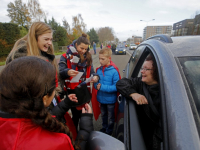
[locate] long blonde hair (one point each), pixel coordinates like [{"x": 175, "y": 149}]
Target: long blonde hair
[{"x": 30, "y": 41}]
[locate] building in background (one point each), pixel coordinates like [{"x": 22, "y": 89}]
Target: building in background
[
  {"x": 196, "y": 30},
  {"x": 137, "y": 39},
  {"x": 184, "y": 27},
  {"x": 153, "y": 30},
  {"x": 134, "y": 40}
]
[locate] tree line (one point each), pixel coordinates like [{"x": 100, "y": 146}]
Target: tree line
[{"x": 22, "y": 15}]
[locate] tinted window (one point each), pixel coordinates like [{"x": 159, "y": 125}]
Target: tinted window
[{"x": 191, "y": 69}]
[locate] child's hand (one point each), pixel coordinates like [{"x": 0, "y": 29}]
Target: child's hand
[
  {"x": 72, "y": 73},
  {"x": 98, "y": 86},
  {"x": 73, "y": 98},
  {"x": 87, "y": 109},
  {"x": 95, "y": 79}
]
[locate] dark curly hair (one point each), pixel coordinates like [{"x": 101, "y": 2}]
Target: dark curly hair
[
  {"x": 24, "y": 82},
  {"x": 155, "y": 69}
]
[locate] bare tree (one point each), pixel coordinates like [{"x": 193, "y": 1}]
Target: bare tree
[
  {"x": 18, "y": 13},
  {"x": 66, "y": 25},
  {"x": 105, "y": 34},
  {"x": 78, "y": 24},
  {"x": 116, "y": 40},
  {"x": 36, "y": 12}
]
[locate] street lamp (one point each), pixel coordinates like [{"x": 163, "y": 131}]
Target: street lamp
[{"x": 147, "y": 21}]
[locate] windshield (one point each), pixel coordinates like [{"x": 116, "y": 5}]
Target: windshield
[
  {"x": 120, "y": 46},
  {"x": 191, "y": 69}
]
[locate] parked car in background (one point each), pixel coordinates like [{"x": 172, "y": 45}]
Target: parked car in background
[
  {"x": 178, "y": 63},
  {"x": 120, "y": 49},
  {"x": 132, "y": 46}
]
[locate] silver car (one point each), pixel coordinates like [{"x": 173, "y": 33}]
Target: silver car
[
  {"x": 132, "y": 46},
  {"x": 178, "y": 63}
]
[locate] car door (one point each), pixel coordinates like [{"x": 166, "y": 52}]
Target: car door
[
  {"x": 132, "y": 136},
  {"x": 133, "y": 130},
  {"x": 127, "y": 118}
]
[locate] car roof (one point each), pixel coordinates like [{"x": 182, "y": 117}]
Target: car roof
[
  {"x": 185, "y": 46},
  {"x": 181, "y": 46}
]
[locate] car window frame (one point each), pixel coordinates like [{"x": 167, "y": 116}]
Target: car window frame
[
  {"x": 164, "y": 121},
  {"x": 134, "y": 135},
  {"x": 144, "y": 53}
]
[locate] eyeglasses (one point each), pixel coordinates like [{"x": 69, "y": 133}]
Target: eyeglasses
[{"x": 145, "y": 69}]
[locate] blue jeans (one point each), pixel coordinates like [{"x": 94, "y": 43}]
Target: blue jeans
[{"x": 108, "y": 117}]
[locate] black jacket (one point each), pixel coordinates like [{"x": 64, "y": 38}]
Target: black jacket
[
  {"x": 85, "y": 124},
  {"x": 148, "y": 120}
]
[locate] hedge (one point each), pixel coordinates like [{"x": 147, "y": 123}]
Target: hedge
[{"x": 9, "y": 34}]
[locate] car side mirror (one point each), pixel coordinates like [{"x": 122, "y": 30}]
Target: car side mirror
[{"x": 102, "y": 141}]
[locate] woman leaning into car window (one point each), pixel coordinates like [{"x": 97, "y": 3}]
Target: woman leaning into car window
[{"x": 145, "y": 91}]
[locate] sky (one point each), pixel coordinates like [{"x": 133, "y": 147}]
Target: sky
[{"x": 123, "y": 16}]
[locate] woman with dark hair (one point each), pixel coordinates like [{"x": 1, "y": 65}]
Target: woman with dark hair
[
  {"x": 77, "y": 60},
  {"x": 27, "y": 88},
  {"x": 145, "y": 92}
]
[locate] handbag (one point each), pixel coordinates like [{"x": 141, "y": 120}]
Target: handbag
[{"x": 82, "y": 93}]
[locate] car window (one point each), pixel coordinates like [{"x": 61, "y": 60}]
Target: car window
[
  {"x": 134, "y": 59},
  {"x": 138, "y": 59},
  {"x": 191, "y": 69}
]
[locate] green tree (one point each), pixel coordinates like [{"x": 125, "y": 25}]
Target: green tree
[
  {"x": 93, "y": 36},
  {"x": 23, "y": 31},
  {"x": 59, "y": 32},
  {"x": 9, "y": 33},
  {"x": 19, "y": 14},
  {"x": 60, "y": 36},
  {"x": 54, "y": 25}
]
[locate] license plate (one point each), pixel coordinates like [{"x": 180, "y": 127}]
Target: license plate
[{"x": 120, "y": 51}]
